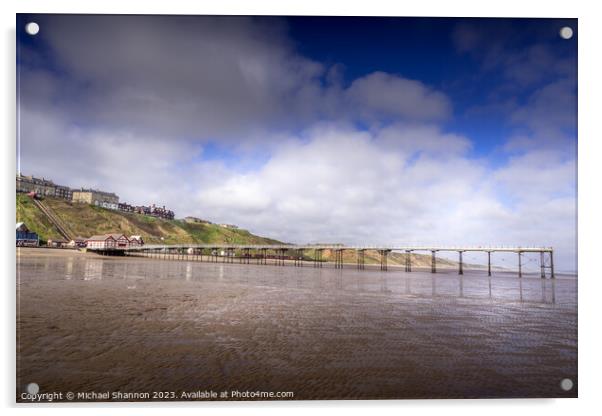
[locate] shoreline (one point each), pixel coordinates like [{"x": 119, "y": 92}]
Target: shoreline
[{"x": 52, "y": 252}]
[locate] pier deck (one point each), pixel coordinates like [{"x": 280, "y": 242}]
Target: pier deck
[{"x": 280, "y": 252}]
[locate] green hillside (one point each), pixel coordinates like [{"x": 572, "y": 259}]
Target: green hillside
[
  {"x": 28, "y": 213},
  {"x": 85, "y": 220}
]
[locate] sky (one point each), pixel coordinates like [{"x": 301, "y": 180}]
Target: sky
[{"x": 352, "y": 130}]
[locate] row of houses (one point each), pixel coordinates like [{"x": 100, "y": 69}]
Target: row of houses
[
  {"x": 43, "y": 187},
  {"x": 151, "y": 210},
  {"x": 109, "y": 200}
]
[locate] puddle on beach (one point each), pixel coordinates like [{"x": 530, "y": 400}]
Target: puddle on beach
[{"x": 128, "y": 324}]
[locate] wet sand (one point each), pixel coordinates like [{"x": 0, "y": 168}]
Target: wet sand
[{"x": 92, "y": 324}]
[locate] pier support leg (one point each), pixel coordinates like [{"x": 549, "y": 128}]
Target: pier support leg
[
  {"x": 542, "y": 265},
  {"x": 552, "y": 275},
  {"x": 338, "y": 259},
  {"x": 460, "y": 265},
  {"x": 489, "y": 263},
  {"x": 320, "y": 258},
  {"x": 433, "y": 262},
  {"x": 408, "y": 261},
  {"x": 383, "y": 259},
  {"x": 360, "y": 259},
  {"x": 520, "y": 265}
]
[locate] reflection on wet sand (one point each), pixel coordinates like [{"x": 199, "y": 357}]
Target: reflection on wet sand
[
  {"x": 475, "y": 285},
  {"x": 90, "y": 323}
]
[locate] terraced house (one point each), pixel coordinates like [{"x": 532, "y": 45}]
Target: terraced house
[{"x": 42, "y": 186}]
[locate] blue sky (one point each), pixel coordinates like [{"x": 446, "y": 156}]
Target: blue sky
[
  {"x": 307, "y": 128},
  {"x": 426, "y": 49}
]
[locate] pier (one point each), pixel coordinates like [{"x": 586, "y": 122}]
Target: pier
[{"x": 279, "y": 254}]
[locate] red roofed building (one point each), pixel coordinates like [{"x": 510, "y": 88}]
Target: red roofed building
[
  {"x": 100, "y": 242},
  {"x": 136, "y": 240},
  {"x": 107, "y": 241}
]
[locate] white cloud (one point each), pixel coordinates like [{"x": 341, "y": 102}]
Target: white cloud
[{"x": 380, "y": 94}]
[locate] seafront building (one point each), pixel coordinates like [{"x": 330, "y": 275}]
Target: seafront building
[
  {"x": 43, "y": 187},
  {"x": 95, "y": 197},
  {"x": 136, "y": 240},
  {"x": 26, "y": 237},
  {"x": 77, "y": 242},
  {"x": 107, "y": 241}
]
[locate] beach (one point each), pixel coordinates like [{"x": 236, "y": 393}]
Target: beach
[{"x": 87, "y": 323}]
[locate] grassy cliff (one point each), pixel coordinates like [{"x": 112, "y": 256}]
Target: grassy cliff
[{"x": 85, "y": 220}]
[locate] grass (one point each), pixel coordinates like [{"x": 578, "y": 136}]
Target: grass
[
  {"x": 28, "y": 213},
  {"x": 87, "y": 220}
]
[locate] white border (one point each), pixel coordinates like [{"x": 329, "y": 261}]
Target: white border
[{"x": 590, "y": 151}]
